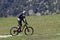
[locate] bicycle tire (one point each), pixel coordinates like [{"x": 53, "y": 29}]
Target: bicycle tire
[
  {"x": 28, "y": 28},
  {"x": 12, "y": 30}
]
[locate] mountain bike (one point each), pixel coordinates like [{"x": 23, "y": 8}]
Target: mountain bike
[{"x": 28, "y": 30}]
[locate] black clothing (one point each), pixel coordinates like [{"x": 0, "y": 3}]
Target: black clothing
[{"x": 21, "y": 18}]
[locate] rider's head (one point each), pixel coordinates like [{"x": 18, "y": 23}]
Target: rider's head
[{"x": 24, "y": 11}]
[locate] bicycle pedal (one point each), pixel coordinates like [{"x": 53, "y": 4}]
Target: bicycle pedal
[{"x": 19, "y": 31}]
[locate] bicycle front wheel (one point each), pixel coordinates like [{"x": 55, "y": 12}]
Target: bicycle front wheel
[{"x": 29, "y": 31}]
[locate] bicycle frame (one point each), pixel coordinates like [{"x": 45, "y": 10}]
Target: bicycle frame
[{"x": 25, "y": 26}]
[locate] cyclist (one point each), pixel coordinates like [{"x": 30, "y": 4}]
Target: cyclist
[{"x": 21, "y": 18}]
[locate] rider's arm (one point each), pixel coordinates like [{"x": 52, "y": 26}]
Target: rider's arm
[{"x": 25, "y": 21}]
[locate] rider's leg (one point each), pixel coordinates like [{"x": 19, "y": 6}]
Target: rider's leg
[{"x": 19, "y": 25}]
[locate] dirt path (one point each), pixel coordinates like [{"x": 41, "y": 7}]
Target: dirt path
[{"x": 5, "y": 36}]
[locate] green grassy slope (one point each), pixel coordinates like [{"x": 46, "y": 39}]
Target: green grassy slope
[{"x": 49, "y": 24}]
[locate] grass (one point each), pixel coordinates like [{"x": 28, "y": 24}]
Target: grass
[{"x": 49, "y": 24}]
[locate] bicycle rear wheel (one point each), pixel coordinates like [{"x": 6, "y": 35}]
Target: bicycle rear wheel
[
  {"x": 13, "y": 31},
  {"x": 29, "y": 31}
]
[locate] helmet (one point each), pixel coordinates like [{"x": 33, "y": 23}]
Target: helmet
[{"x": 24, "y": 11}]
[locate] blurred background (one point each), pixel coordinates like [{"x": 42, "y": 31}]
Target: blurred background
[{"x": 33, "y": 7}]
